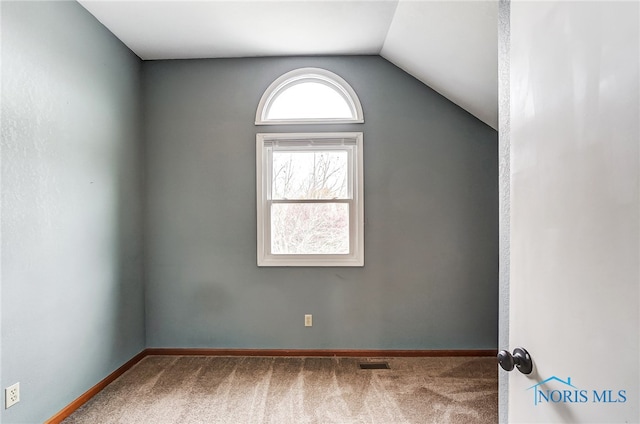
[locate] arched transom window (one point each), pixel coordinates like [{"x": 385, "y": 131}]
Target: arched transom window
[{"x": 309, "y": 95}]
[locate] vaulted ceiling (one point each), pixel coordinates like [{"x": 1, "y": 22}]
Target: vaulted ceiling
[{"x": 451, "y": 46}]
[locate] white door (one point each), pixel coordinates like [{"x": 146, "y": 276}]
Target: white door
[{"x": 574, "y": 202}]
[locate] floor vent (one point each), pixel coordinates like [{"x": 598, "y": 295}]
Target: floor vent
[{"x": 374, "y": 366}]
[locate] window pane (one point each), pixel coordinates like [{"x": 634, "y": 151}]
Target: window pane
[
  {"x": 309, "y": 100},
  {"x": 310, "y": 175},
  {"x": 309, "y": 228}
]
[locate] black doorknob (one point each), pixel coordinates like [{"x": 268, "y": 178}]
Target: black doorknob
[
  {"x": 520, "y": 359},
  {"x": 505, "y": 359}
]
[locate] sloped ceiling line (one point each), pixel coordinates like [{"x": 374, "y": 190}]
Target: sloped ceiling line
[{"x": 451, "y": 46}]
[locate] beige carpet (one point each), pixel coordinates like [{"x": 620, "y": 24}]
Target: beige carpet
[{"x": 294, "y": 390}]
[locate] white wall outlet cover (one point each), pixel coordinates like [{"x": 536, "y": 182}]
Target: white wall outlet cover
[{"x": 12, "y": 395}]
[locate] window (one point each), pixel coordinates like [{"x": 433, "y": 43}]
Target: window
[
  {"x": 309, "y": 95},
  {"x": 309, "y": 185},
  {"x": 310, "y": 199}
]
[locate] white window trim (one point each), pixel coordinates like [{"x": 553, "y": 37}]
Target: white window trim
[
  {"x": 301, "y": 75},
  {"x": 356, "y": 222}
]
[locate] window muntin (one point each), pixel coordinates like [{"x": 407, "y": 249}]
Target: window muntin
[
  {"x": 310, "y": 199},
  {"x": 309, "y": 95}
]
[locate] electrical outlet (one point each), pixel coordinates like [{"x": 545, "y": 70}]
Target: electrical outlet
[
  {"x": 11, "y": 395},
  {"x": 308, "y": 320}
]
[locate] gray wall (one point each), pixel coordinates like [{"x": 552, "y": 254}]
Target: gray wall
[
  {"x": 72, "y": 295},
  {"x": 431, "y": 209}
]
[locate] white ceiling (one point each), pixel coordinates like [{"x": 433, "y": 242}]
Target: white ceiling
[{"x": 451, "y": 46}]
